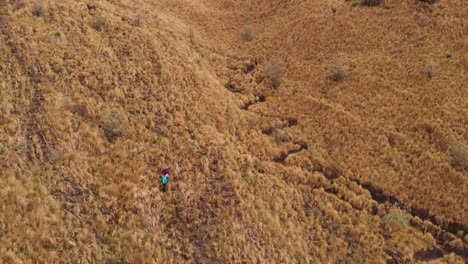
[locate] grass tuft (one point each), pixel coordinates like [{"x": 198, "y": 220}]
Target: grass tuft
[
  {"x": 394, "y": 216},
  {"x": 58, "y": 36}
]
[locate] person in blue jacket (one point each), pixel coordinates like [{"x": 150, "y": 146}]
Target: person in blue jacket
[{"x": 165, "y": 179}]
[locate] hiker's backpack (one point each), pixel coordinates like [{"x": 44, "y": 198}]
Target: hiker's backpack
[{"x": 164, "y": 179}]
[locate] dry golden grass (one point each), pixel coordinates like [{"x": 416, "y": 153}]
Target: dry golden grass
[{"x": 91, "y": 110}]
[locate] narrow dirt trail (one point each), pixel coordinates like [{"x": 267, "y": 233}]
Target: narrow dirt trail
[{"x": 32, "y": 131}]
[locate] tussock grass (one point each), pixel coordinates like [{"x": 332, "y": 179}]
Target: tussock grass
[
  {"x": 58, "y": 36},
  {"x": 101, "y": 202},
  {"x": 395, "y": 216}
]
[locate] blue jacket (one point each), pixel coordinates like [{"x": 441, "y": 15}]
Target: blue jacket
[{"x": 164, "y": 179}]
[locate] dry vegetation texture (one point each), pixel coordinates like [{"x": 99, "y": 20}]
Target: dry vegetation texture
[{"x": 302, "y": 161}]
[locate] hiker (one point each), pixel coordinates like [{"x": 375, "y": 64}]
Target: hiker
[{"x": 165, "y": 179}]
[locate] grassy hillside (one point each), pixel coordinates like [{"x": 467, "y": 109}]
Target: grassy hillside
[{"x": 296, "y": 131}]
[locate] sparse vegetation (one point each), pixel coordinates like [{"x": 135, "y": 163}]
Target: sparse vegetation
[
  {"x": 247, "y": 34},
  {"x": 99, "y": 22},
  {"x": 394, "y": 216},
  {"x": 38, "y": 8},
  {"x": 273, "y": 72},
  {"x": 337, "y": 71}
]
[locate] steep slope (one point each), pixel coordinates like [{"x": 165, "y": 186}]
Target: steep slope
[{"x": 97, "y": 96}]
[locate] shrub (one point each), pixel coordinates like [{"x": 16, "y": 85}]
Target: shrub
[
  {"x": 337, "y": 71},
  {"x": 247, "y": 34},
  {"x": 138, "y": 19},
  {"x": 394, "y": 216},
  {"x": 38, "y": 8},
  {"x": 431, "y": 69},
  {"x": 57, "y": 36},
  {"x": 99, "y": 22},
  {"x": 273, "y": 72},
  {"x": 459, "y": 155},
  {"x": 371, "y": 2},
  {"x": 113, "y": 125}
]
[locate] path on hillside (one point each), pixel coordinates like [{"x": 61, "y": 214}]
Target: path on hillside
[{"x": 32, "y": 131}]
